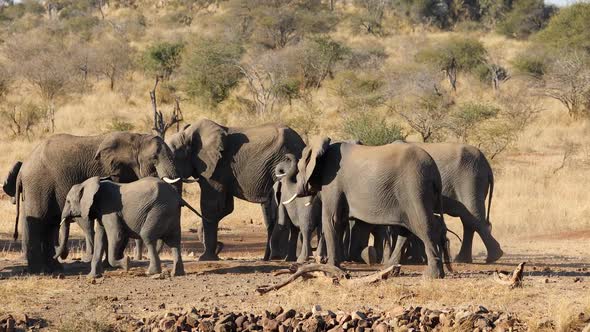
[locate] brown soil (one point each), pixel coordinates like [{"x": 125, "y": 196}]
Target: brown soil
[{"x": 65, "y": 300}]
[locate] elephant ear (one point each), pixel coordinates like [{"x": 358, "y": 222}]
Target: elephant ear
[
  {"x": 87, "y": 194},
  {"x": 116, "y": 149},
  {"x": 311, "y": 155},
  {"x": 207, "y": 141}
]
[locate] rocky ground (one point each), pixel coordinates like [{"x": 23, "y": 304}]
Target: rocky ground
[{"x": 222, "y": 296}]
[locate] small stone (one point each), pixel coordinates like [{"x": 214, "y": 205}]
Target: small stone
[
  {"x": 381, "y": 327},
  {"x": 286, "y": 315},
  {"x": 358, "y": 315},
  {"x": 315, "y": 309},
  {"x": 270, "y": 324},
  {"x": 277, "y": 310},
  {"x": 162, "y": 306}
]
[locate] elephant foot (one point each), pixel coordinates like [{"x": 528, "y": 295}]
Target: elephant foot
[
  {"x": 463, "y": 258},
  {"x": 434, "y": 273},
  {"x": 93, "y": 275},
  {"x": 106, "y": 264},
  {"x": 494, "y": 255},
  {"x": 87, "y": 258},
  {"x": 178, "y": 271},
  {"x": 54, "y": 266},
  {"x": 125, "y": 263},
  {"x": 205, "y": 257},
  {"x": 153, "y": 270}
]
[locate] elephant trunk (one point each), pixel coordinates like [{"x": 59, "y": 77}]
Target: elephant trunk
[{"x": 64, "y": 233}]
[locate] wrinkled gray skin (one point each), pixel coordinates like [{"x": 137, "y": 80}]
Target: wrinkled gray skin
[
  {"x": 62, "y": 161},
  {"x": 232, "y": 162},
  {"x": 304, "y": 213},
  {"x": 395, "y": 184},
  {"x": 146, "y": 209},
  {"x": 467, "y": 176}
]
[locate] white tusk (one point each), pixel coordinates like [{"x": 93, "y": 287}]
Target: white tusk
[
  {"x": 308, "y": 204},
  {"x": 63, "y": 221},
  {"x": 280, "y": 175},
  {"x": 290, "y": 200},
  {"x": 171, "y": 181}
]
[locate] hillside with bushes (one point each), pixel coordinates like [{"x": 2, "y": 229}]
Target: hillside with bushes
[{"x": 510, "y": 77}]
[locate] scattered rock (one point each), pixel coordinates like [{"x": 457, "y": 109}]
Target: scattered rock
[{"x": 472, "y": 318}]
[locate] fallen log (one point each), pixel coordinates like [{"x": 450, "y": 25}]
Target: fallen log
[
  {"x": 338, "y": 275},
  {"x": 513, "y": 279}
]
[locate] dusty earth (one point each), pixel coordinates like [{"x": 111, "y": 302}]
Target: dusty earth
[{"x": 556, "y": 285}]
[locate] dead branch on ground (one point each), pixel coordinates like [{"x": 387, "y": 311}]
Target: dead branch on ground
[
  {"x": 338, "y": 275},
  {"x": 512, "y": 280}
]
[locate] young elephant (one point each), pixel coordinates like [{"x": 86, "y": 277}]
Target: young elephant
[{"x": 148, "y": 208}]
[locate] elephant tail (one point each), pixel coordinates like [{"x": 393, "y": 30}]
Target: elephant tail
[{"x": 17, "y": 197}]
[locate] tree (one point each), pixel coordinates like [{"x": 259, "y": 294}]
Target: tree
[
  {"x": 5, "y": 81},
  {"x": 568, "y": 81},
  {"x": 371, "y": 17},
  {"x": 371, "y": 129},
  {"x": 22, "y": 118},
  {"x": 465, "y": 118},
  {"x": 525, "y": 18},
  {"x": 415, "y": 95},
  {"x": 568, "y": 29},
  {"x": 113, "y": 58},
  {"x": 453, "y": 56},
  {"x": 318, "y": 57},
  {"x": 43, "y": 61},
  {"x": 162, "y": 59},
  {"x": 210, "y": 70}
]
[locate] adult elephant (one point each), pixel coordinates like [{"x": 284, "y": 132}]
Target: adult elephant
[
  {"x": 467, "y": 177},
  {"x": 395, "y": 184},
  {"x": 62, "y": 161},
  {"x": 232, "y": 162}
]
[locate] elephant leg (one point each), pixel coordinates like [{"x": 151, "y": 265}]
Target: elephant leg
[
  {"x": 292, "y": 249},
  {"x": 155, "y": 266},
  {"x": 115, "y": 237},
  {"x": 359, "y": 240},
  {"x": 88, "y": 228},
  {"x": 396, "y": 256},
  {"x": 305, "y": 245},
  {"x": 32, "y": 236},
  {"x": 96, "y": 267},
  {"x": 332, "y": 227},
  {"x": 269, "y": 223},
  {"x": 378, "y": 241},
  {"x": 137, "y": 253},
  {"x": 473, "y": 220},
  {"x": 174, "y": 243},
  {"x": 50, "y": 240},
  {"x": 216, "y": 206},
  {"x": 419, "y": 225},
  {"x": 388, "y": 244}
]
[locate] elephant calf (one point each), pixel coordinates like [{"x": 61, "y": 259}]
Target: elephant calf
[{"x": 148, "y": 208}]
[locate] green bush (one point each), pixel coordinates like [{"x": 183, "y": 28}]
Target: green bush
[
  {"x": 525, "y": 18},
  {"x": 568, "y": 29},
  {"x": 162, "y": 59},
  {"x": 467, "y": 53},
  {"x": 372, "y": 130},
  {"x": 533, "y": 64},
  {"x": 468, "y": 116},
  {"x": 318, "y": 58},
  {"x": 209, "y": 71}
]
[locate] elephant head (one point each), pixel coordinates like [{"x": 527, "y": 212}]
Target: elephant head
[
  {"x": 309, "y": 165},
  {"x": 198, "y": 148},
  {"x": 127, "y": 157},
  {"x": 79, "y": 204}
]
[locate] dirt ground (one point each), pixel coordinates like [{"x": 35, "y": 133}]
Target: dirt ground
[{"x": 556, "y": 284}]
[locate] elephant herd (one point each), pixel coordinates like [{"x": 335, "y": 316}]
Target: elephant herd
[{"x": 123, "y": 185}]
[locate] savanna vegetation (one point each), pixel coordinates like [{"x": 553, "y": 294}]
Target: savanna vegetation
[{"x": 511, "y": 77}]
